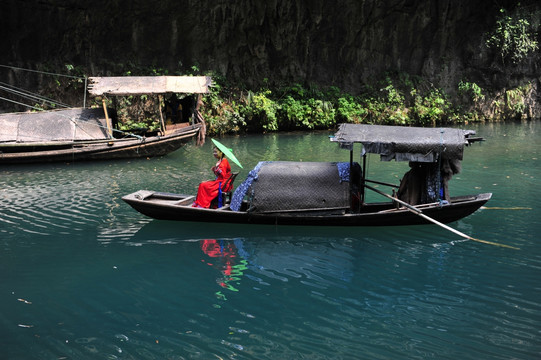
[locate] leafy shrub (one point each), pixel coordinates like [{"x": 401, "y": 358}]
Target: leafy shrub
[
  {"x": 137, "y": 113},
  {"x": 431, "y": 109},
  {"x": 513, "y": 37},
  {"x": 350, "y": 109},
  {"x": 260, "y": 111},
  {"x": 515, "y": 100},
  {"x": 291, "y": 113},
  {"x": 472, "y": 91},
  {"x": 320, "y": 114},
  {"x": 221, "y": 116},
  {"x": 398, "y": 101}
]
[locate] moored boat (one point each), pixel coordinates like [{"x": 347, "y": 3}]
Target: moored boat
[
  {"x": 82, "y": 134},
  {"x": 334, "y": 193}
]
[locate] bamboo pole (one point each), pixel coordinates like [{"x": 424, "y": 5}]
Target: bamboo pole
[
  {"x": 420, "y": 213},
  {"x": 160, "y": 99},
  {"x": 506, "y": 208},
  {"x": 107, "y": 119}
]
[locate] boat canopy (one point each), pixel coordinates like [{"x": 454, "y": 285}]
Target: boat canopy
[
  {"x": 75, "y": 124},
  {"x": 135, "y": 85},
  {"x": 292, "y": 186},
  {"x": 405, "y": 143}
]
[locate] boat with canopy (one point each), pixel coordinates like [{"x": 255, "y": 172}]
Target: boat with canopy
[
  {"x": 80, "y": 134},
  {"x": 334, "y": 193}
]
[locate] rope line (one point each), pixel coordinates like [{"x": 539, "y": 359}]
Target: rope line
[
  {"x": 18, "y": 103},
  {"x": 28, "y": 95},
  {"x": 41, "y": 72}
]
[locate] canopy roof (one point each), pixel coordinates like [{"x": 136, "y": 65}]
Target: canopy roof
[
  {"x": 57, "y": 125},
  {"x": 405, "y": 143},
  {"x": 133, "y": 85}
]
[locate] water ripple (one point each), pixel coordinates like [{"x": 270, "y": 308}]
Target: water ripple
[
  {"x": 82, "y": 275},
  {"x": 53, "y": 199}
]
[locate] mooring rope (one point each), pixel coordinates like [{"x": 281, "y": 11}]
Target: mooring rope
[
  {"x": 35, "y": 97},
  {"x": 41, "y": 72},
  {"x": 28, "y": 95},
  {"x": 74, "y": 121},
  {"x": 18, "y": 103}
]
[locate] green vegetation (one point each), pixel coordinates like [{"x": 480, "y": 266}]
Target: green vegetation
[
  {"x": 396, "y": 99},
  {"x": 514, "y": 36},
  {"x": 514, "y": 100},
  {"x": 471, "y": 91},
  {"x": 399, "y": 100},
  {"x": 137, "y": 113}
]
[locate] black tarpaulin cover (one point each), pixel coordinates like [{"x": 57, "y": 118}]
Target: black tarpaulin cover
[
  {"x": 292, "y": 185},
  {"x": 405, "y": 143},
  {"x": 58, "y": 125}
]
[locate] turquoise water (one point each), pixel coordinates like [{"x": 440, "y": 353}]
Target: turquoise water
[{"x": 83, "y": 276}]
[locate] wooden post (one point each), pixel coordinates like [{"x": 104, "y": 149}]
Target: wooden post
[
  {"x": 363, "y": 180},
  {"x": 196, "y": 116},
  {"x": 160, "y": 98},
  {"x": 109, "y": 125},
  {"x": 84, "y": 96},
  {"x": 351, "y": 179}
]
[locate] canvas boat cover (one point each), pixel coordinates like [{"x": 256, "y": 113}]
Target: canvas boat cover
[
  {"x": 405, "y": 143},
  {"x": 295, "y": 186},
  {"x": 59, "y": 125},
  {"x": 134, "y": 85}
]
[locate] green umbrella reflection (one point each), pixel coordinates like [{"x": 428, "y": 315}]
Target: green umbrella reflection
[{"x": 227, "y": 152}]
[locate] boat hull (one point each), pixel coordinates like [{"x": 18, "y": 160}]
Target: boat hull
[
  {"x": 99, "y": 150},
  {"x": 166, "y": 206}
]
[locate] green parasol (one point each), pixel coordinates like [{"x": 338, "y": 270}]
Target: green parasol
[{"x": 227, "y": 152}]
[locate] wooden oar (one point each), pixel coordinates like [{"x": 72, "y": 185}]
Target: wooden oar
[
  {"x": 420, "y": 213},
  {"x": 506, "y": 208}
]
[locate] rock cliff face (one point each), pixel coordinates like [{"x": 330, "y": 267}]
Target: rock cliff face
[{"x": 346, "y": 43}]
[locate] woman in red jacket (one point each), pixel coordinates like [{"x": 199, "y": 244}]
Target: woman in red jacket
[{"x": 208, "y": 190}]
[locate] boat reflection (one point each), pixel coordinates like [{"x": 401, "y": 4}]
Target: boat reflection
[
  {"x": 149, "y": 231},
  {"x": 315, "y": 257},
  {"x": 227, "y": 262}
]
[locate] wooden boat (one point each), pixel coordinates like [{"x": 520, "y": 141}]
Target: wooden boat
[
  {"x": 333, "y": 194},
  {"x": 81, "y": 134},
  {"x": 167, "y": 206}
]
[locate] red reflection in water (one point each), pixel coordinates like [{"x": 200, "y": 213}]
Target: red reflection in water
[{"x": 226, "y": 252}]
